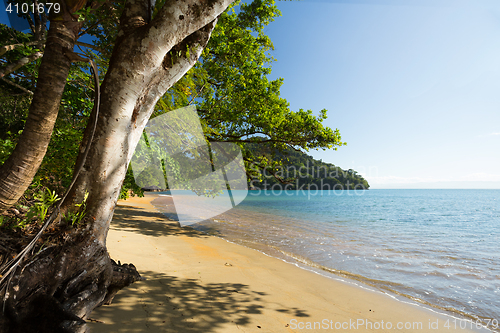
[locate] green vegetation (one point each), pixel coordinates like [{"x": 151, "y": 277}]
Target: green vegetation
[
  {"x": 74, "y": 218},
  {"x": 235, "y": 100},
  {"x": 16, "y": 89},
  {"x": 43, "y": 201},
  {"x": 45, "y": 131},
  {"x": 238, "y": 103},
  {"x": 32, "y": 210},
  {"x": 299, "y": 171}
]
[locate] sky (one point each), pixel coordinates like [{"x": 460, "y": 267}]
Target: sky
[
  {"x": 3, "y": 15},
  {"x": 413, "y": 86}
]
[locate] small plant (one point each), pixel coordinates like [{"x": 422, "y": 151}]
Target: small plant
[
  {"x": 2, "y": 220},
  {"x": 44, "y": 200},
  {"x": 21, "y": 224},
  {"x": 76, "y": 217}
]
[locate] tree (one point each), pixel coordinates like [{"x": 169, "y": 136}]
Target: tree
[
  {"x": 69, "y": 280},
  {"x": 18, "y": 171},
  {"x": 66, "y": 280},
  {"x": 236, "y": 101}
]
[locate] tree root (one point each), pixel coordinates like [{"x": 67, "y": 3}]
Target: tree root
[{"x": 56, "y": 290}]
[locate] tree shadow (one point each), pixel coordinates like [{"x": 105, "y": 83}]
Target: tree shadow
[
  {"x": 149, "y": 223},
  {"x": 160, "y": 223},
  {"x": 166, "y": 303}
]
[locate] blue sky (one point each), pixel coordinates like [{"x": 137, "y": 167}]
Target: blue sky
[
  {"x": 12, "y": 21},
  {"x": 413, "y": 86},
  {"x": 3, "y": 15}
]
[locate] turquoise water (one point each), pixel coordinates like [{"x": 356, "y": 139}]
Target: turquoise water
[{"x": 436, "y": 247}]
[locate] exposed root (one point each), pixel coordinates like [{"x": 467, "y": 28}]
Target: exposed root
[{"x": 57, "y": 289}]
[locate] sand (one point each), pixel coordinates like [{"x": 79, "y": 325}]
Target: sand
[{"x": 200, "y": 283}]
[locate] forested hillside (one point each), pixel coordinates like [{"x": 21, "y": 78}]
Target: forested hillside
[{"x": 298, "y": 170}]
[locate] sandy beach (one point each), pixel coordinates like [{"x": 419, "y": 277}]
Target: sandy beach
[{"x": 200, "y": 283}]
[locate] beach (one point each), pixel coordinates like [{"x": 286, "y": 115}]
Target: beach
[{"x": 200, "y": 283}]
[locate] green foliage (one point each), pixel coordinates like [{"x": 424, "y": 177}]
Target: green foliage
[
  {"x": 102, "y": 26},
  {"x": 74, "y": 218},
  {"x": 229, "y": 86},
  {"x": 56, "y": 170},
  {"x": 44, "y": 200},
  {"x": 7, "y": 146},
  {"x": 83, "y": 14},
  {"x": 21, "y": 224},
  {"x": 234, "y": 97},
  {"x": 129, "y": 187},
  {"x": 27, "y": 74},
  {"x": 57, "y": 167},
  {"x": 13, "y": 100},
  {"x": 78, "y": 97}
]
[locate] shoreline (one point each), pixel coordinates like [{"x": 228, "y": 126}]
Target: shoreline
[
  {"x": 201, "y": 283},
  {"x": 165, "y": 205}
]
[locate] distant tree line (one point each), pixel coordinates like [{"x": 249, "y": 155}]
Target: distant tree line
[{"x": 296, "y": 170}]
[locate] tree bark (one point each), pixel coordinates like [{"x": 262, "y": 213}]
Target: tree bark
[
  {"x": 19, "y": 169},
  {"x": 141, "y": 70}
]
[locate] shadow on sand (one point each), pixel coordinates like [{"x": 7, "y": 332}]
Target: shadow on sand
[
  {"x": 166, "y": 303},
  {"x": 149, "y": 223}
]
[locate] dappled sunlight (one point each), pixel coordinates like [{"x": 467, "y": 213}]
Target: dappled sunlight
[{"x": 165, "y": 303}]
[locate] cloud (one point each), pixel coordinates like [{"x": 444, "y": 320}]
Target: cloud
[
  {"x": 400, "y": 180},
  {"x": 488, "y": 135},
  {"x": 396, "y": 180},
  {"x": 480, "y": 176}
]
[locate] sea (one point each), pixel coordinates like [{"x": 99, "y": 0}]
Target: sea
[{"x": 436, "y": 248}]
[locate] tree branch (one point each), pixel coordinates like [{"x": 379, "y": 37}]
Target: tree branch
[
  {"x": 89, "y": 46},
  {"x": 38, "y": 25},
  {"x": 260, "y": 141},
  {"x": 197, "y": 93},
  {"x": 263, "y": 167},
  {"x": 246, "y": 134},
  {"x": 20, "y": 63},
  {"x": 17, "y": 86},
  {"x": 7, "y": 48}
]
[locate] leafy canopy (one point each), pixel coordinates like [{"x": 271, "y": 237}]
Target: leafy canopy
[
  {"x": 234, "y": 97},
  {"x": 229, "y": 86}
]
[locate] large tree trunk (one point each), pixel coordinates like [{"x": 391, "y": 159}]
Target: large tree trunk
[
  {"x": 71, "y": 279},
  {"x": 17, "y": 173},
  {"x": 140, "y": 72}
]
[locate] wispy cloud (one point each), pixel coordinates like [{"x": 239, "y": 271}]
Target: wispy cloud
[
  {"x": 395, "y": 180},
  {"x": 488, "y": 135},
  {"x": 400, "y": 180}
]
